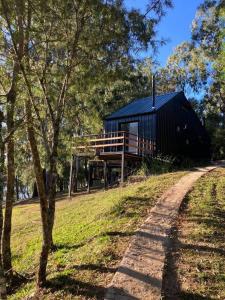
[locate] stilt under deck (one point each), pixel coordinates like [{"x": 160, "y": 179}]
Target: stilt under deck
[{"x": 107, "y": 151}]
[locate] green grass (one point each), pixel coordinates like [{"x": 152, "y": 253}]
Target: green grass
[
  {"x": 91, "y": 234},
  {"x": 200, "y": 253}
]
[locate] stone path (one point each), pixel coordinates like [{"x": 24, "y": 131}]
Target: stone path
[{"x": 140, "y": 273}]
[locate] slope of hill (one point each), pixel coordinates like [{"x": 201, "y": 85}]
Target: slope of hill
[
  {"x": 91, "y": 234},
  {"x": 196, "y": 265}
]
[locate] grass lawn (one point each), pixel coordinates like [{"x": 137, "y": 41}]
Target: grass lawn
[
  {"x": 196, "y": 265},
  {"x": 91, "y": 234}
]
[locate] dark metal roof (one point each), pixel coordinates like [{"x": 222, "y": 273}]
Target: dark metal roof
[{"x": 142, "y": 106}]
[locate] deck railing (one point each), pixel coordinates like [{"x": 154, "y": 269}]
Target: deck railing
[{"x": 117, "y": 141}]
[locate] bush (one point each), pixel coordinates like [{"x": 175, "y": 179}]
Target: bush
[
  {"x": 155, "y": 165},
  {"x": 144, "y": 169},
  {"x": 162, "y": 164}
]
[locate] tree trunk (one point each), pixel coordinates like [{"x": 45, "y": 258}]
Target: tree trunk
[
  {"x": 51, "y": 210},
  {"x": 52, "y": 183},
  {"x": 11, "y": 98},
  {"x": 2, "y": 276},
  {"x": 6, "y": 239},
  {"x": 17, "y": 188},
  {"x": 43, "y": 260}
]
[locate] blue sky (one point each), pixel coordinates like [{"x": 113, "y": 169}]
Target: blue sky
[{"x": 175, "y": 26}]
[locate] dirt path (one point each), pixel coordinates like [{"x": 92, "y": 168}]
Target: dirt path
[{"x": 140, "y": 273}]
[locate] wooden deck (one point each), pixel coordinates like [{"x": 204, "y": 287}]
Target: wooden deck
[
  {"x": 114, "y": 144},
  {"x": 105, "y": 151}
]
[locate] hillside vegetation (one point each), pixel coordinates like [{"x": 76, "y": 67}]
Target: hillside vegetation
[{"x": 91, "y": 234}]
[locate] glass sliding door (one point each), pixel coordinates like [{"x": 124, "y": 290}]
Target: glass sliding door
[{"x": 132, "y": 129}]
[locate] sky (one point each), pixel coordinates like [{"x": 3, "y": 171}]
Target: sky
[{"x": 175, "y": 26}]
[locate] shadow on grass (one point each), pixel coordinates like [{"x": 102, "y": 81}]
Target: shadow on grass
[
  {"x": 17, "y": 281},
  {"x": 113, "y": 292},
  {"x": 67, "y": 284},
  {"x": 201, "y": 248},
  {"x": 130, "y": 206},
  {"x": 193, "y": 296},
  {"x": 93, "y": 267},
  {"x": 69, "y": 247},
  {"x": 118, "y": 233},
  {"x": 171, "y": 289}
]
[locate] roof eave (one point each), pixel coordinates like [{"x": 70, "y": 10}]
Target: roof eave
[{"x": 132, "y": 115}]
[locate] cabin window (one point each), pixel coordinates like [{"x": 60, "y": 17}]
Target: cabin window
[
  {"x": 178, "y": 128},
  {"x": 187, "y": 142},
  {"x": 132, "y": 129},
  {"x": 185, "y": 126}
]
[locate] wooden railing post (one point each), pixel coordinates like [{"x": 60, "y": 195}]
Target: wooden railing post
[{"x": 143, "y": 147}]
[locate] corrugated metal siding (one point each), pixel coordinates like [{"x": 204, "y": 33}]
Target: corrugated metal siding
[
  {"x": 146, "y": 128},
  {"x": 165, "y": 140},
  {"x": 170, "y": 141}
]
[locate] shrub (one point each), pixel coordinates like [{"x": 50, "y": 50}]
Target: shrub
[{"x": 162, "y": 164}]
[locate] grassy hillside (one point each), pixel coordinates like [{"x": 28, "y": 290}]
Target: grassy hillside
[
  {"x": 196, "y": 266},
  {"x": 91, "y": 234}
]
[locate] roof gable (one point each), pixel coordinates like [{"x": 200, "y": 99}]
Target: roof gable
[{"x": 142, "y": 106}]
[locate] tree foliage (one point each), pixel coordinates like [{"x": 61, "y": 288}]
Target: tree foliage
[
  {"x": 64, "y": 63},
  {"x": 208, "y": 33}
]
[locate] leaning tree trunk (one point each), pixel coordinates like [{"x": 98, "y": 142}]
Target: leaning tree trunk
[
  {"x": 2, "y": 275},
  {"x": 11, "y": 99},
  {"x": 6, "y": 239},
  {"x": 18, "y": 51},
  {"x": 43, "y": 260}
]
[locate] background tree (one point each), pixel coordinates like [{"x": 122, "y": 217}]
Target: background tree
[
  {"x": 208, "y": 33},
  {"x": 2, "y": 158},
  {"x": 186, "y": 70}
]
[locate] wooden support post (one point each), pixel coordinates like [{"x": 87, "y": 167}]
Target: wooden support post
[
  {"x": 71, "y": 176},
  {"x": 123, "y": 159},
  {"x": 89, "y": 178},
  {"x": 109, "y": 175},
  {"x": 76, "y": 174},
  {"x": 122, "y": 167},
  {"x": 86, "y": 171},
  {"x": 105, "y": 175}
]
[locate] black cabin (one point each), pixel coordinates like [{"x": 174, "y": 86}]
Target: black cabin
[
  {"x": 165, "y": 125},
  {"x": 168, "y": 120}
]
